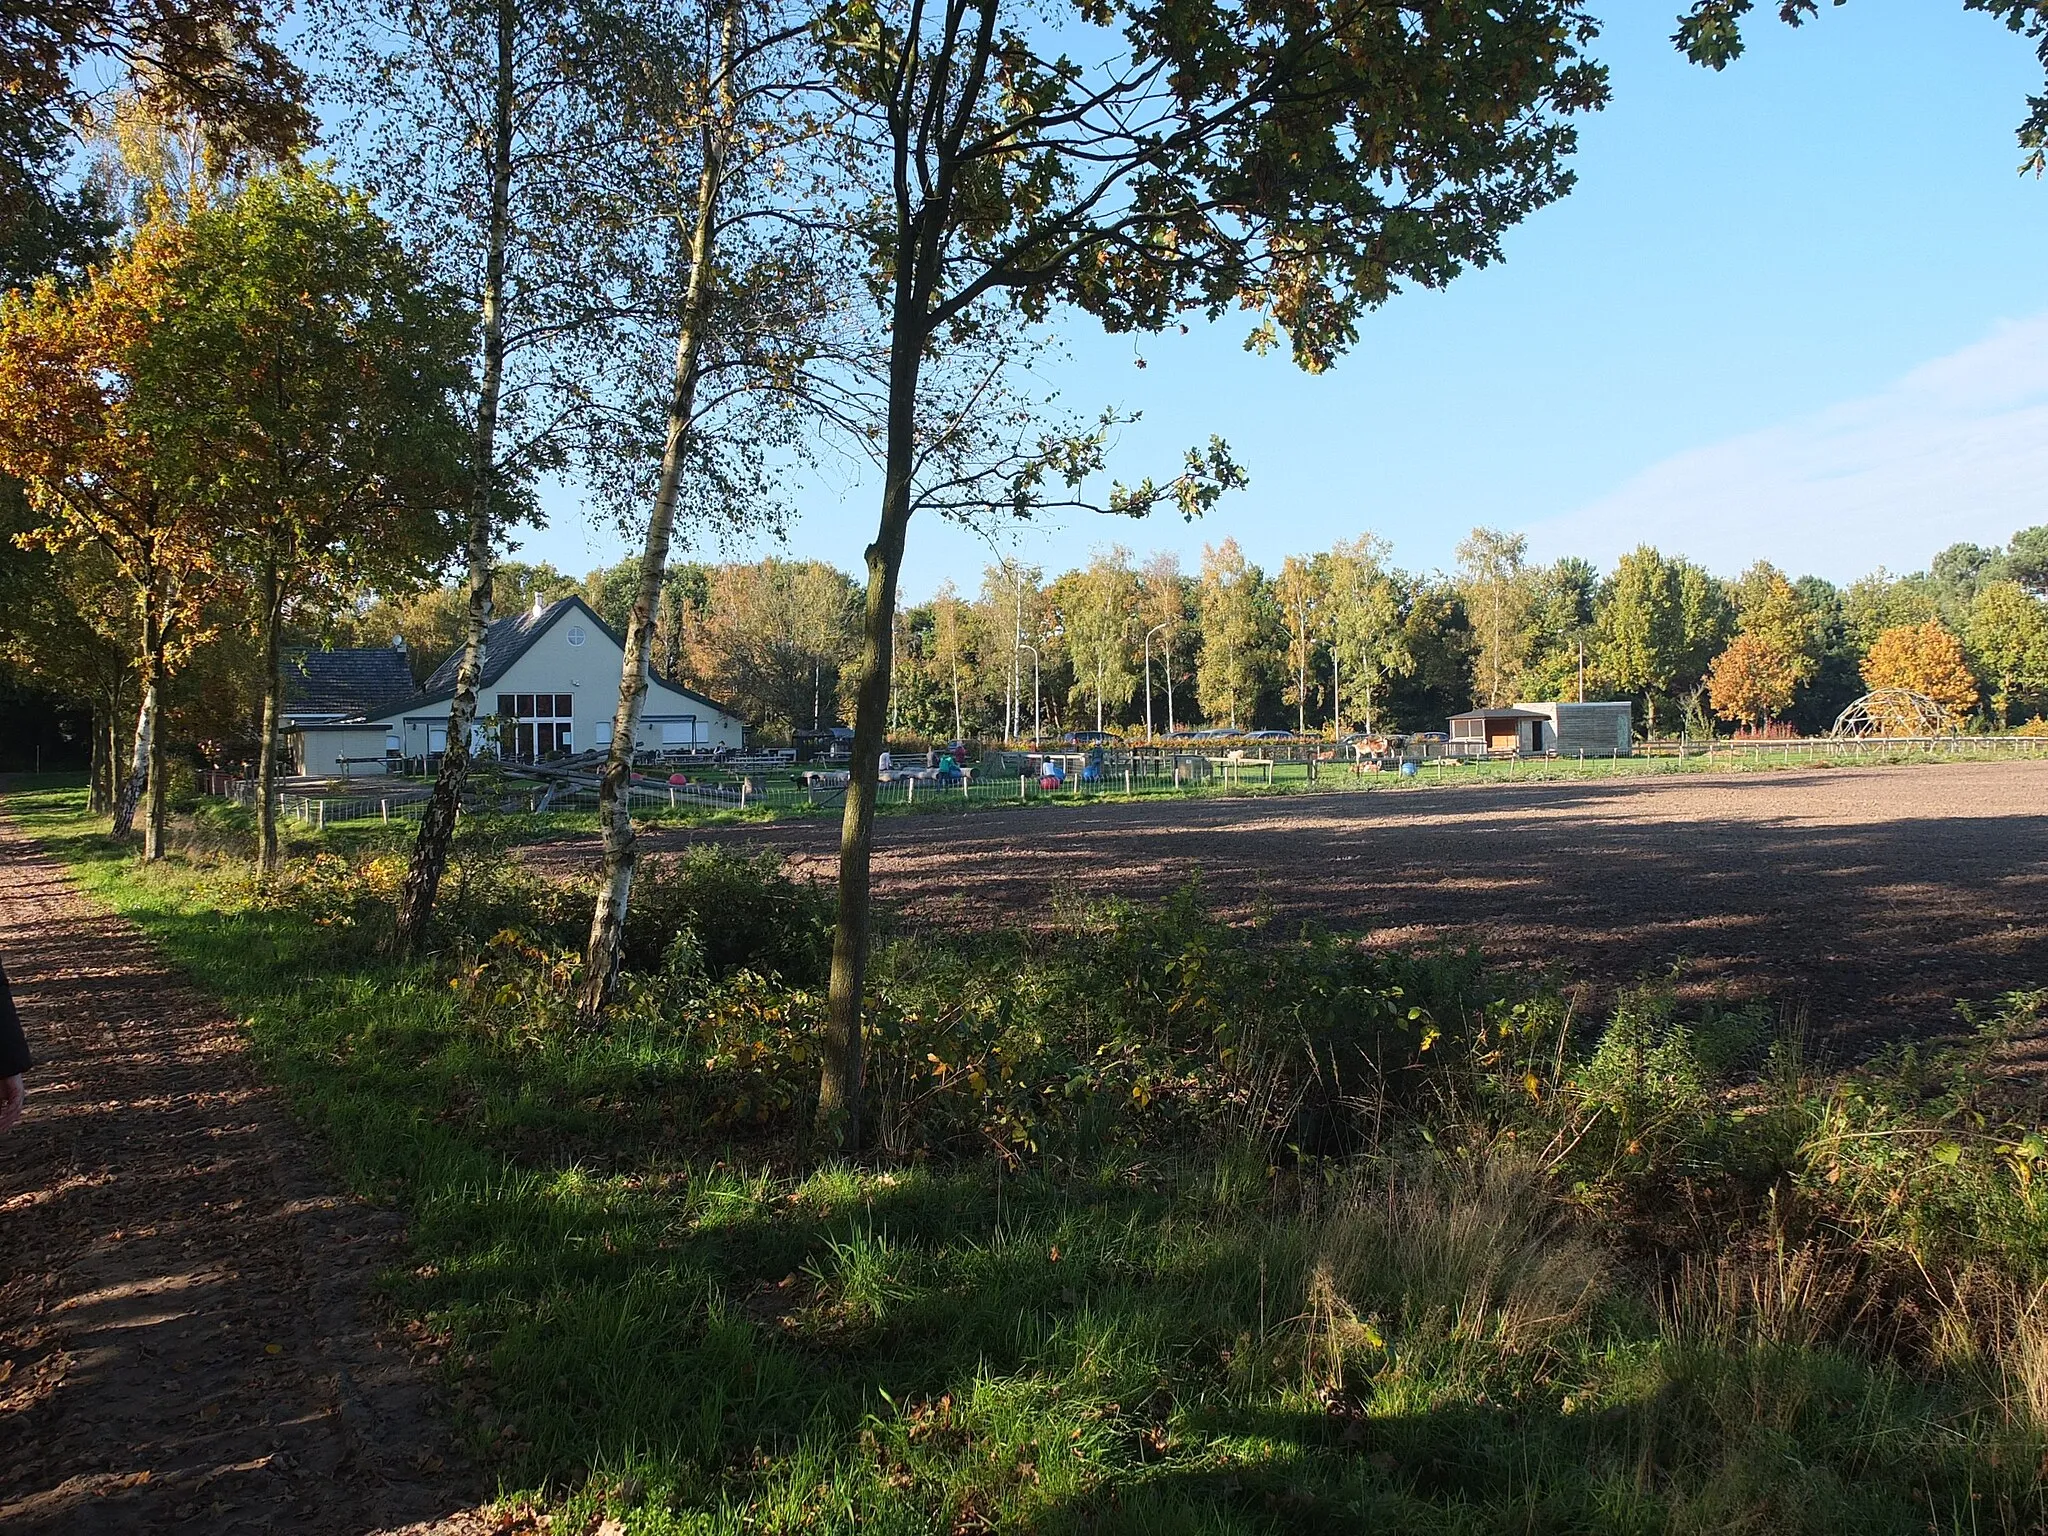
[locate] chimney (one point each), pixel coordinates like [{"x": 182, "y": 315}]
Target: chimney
[{"x": 538, "y": 605}]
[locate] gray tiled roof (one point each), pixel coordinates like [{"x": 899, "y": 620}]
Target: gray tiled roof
[
  {"x": 344, "y": 682},
  {"x": 504, "y": 642}
]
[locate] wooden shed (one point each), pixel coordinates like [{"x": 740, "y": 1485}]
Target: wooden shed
[
  {"x": 1497, "y": 730},
  {"x": 1594, "y": 728}
]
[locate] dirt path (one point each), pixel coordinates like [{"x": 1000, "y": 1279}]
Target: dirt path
[
  {"x": 1874, "y": 896},
  {"x": 185, "y": 1336}
]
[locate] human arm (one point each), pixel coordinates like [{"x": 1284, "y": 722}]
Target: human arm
[{"x": 14, "y": 1058}]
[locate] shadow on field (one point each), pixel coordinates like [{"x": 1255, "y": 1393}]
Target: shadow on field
[{"x": 1872, "y": 898}]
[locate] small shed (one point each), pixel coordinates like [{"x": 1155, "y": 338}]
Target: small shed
[
  {"x": 1602, "y": 728},
  {"x": 340, "y": 749},
  {"x": 1497, "y": 730}
]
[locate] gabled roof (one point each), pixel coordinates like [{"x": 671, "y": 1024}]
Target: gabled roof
[
  {"x": 344, "y": 682},
  {"x": 506, "y": 640}
]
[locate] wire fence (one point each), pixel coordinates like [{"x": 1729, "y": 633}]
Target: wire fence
[{"x": 1139, "y": 775}]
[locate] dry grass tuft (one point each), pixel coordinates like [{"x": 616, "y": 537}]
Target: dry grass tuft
[{"x": 1479, "y": 1258}]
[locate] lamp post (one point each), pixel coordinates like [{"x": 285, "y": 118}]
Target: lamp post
[
  {"x": 1036, "y": 715},
  {"x": 1155, "y": 629}
]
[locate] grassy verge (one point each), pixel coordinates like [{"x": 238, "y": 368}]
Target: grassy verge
[{"x": 1181, "y": 1228}]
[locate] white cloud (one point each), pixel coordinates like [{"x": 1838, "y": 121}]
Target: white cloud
[{"x": 1956, "y": 449}]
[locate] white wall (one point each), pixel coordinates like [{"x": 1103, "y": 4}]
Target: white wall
[
  {"x": 589, "y": 673},
  {"x": 320, "y": 753}
]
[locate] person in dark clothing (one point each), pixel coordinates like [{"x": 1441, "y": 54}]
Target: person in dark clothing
[{"x": 14, "y": 1058}]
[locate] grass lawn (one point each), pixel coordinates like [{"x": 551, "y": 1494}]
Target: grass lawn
[{"x": 1106, "y": 1295}]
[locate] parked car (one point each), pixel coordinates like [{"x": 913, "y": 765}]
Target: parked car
[
  {"x": 1087, "y": 738},
  {"x": 1269, "y": 735}
]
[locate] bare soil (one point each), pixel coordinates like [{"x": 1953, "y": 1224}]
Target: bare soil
[
  {"x": 1872, "y": 897},
  {"x": 188, "y": 1338}
]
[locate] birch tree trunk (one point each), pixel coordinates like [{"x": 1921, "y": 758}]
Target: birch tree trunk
[
  {"x": 147, "y": 667},
  {"x": 615, "y": 799},
  {"x": 437, "y": 823},
  {"x": 1301, "y": 686},
  {"x": 266, "y": 756},
  {"x": 138, "y": 769}
]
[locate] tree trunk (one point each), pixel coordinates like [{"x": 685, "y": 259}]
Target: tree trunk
[
  {"x": 138, "y": 771},
  {"x": 615, "y": 800},
  {"x": 1167, "y": 666},
  {"x": 148, "y": 674},
  {"x": 1301, "y": 687},
  {"x": 266, "y": 753},
  {"x": 840, "y": 1080},
  {"x": 437, "y": 823},
  {"x": 153, "y": 802},
  {"x": 840, "y": 1084},
  {"x": 138, "y": 768},
  {"x": 96, "y": 797}
]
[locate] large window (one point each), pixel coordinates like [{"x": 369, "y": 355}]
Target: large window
[{"x": 532, "y": 725}]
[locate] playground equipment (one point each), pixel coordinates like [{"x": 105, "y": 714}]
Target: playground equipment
[{"x": 1887, "y": 713}]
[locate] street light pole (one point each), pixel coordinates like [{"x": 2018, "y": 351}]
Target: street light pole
[
  {"x": 1036, "y": 712},
  {"x": 1155, "y": 629}
]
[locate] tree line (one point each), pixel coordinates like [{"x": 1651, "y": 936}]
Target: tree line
[
  {"x": 1332, "y": 643},
  {"x": 320, "y": 318}
]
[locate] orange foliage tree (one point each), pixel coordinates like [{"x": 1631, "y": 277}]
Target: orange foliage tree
[
  {"x": 1752, "y": 681},
  {"x": 1926, "y": 658},
  {"x": 70, "y": 433}
]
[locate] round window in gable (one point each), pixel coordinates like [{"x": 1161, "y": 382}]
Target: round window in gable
[{"x": 575, "y": 634}]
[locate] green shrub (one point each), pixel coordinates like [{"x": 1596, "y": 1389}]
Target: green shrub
[
  {"x": 181, "y": 787},
  {"x": 743, "y": 911}
]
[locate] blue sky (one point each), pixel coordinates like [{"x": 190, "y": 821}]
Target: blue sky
[{"x": 1797, "y": 310}]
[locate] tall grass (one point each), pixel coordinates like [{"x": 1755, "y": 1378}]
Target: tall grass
[{"x": 1182, "y": 1228}]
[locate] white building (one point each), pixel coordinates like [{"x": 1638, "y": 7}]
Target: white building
[{"x": 550, "y": 686}]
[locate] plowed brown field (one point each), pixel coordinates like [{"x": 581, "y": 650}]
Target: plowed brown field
[{"x": 1875, "y": 897}]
